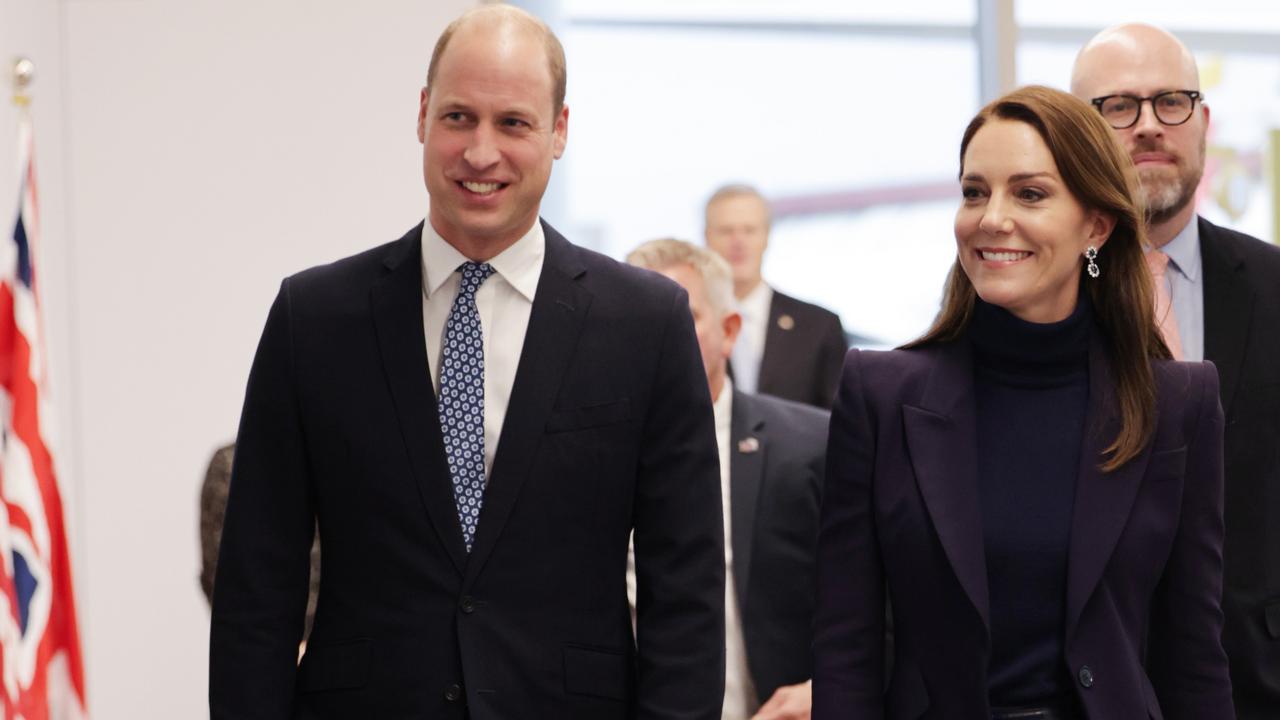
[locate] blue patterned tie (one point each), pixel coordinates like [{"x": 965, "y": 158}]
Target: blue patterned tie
[{"x": 462, "y": 398}]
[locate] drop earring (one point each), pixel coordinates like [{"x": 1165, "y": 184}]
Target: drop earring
[{"x": 1091, "y": 254}]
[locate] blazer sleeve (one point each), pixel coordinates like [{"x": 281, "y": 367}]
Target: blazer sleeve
[
  {"x": 848, "y": 642},
  {"x": 679, "y": 537},
  {"x": 260, "y": 594},
  {"x": 1186, "y": 662}
]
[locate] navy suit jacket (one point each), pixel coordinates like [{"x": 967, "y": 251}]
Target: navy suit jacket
[
  {"x": 777, "y": 454},
  {"x": 609, "y": 426},
  {"x": 1242, "y": 338},
  {"x": 804, "y": 345},
  {"x": 901, "y": 516}
]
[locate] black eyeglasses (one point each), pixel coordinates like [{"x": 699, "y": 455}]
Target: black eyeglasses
[{"x": 1171, "y": 108}]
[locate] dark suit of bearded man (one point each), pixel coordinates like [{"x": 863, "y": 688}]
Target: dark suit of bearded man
[{"x": 1242, "y": 337}]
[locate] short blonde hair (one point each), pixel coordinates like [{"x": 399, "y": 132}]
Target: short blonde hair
[{"x": 716, "y": 276}]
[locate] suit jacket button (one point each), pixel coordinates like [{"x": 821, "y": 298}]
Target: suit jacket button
[
  {"x": 1086, "y": 676},
  {"x": 454, "y": 693},
  {"x": 467, "y": 604}
]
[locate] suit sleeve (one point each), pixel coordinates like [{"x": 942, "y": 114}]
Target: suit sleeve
[
  {"x": 830, "y": 360},
  {"x": 679, "y": 538},
  {"x": 260, "y": 593},
  {"x": 848, "y": 636},
  {"x": 1186, "y": 662}
]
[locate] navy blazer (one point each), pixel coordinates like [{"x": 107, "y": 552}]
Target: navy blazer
[
  {"x": 901, "y": 516},
  {"x": 777, "y": 454},
  {"x": 609, "y": 427},
  {"x": 804, "y": 346}
]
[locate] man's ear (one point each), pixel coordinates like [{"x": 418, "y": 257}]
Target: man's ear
[
  {"x": 423, "y": 98},
  {"x": 732, "y": 324},
  {"x": 561, "y": 131}
]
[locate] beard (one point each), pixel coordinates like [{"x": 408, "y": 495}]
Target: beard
[{"x": 1166, "y": 191}]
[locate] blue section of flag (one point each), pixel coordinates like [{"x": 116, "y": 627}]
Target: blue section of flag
[
  {"x": 24, "y": 252},
  {"x": 24, "y": 585}
]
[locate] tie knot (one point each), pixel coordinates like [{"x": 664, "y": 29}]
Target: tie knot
[
  {"x": 473, "y": 276},
  {"x": 1157, "y": 261}
]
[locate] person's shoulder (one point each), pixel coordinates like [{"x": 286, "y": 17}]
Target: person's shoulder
[
  {"x": 1184, "y": 382},
  {"x": 1258, "y": 254},
  {"x": 795, "y": 306},
  {"x": 355, "y": 272},
  {"x": 787, "y": 414},
  {"x": 898, "y": 366},
  {"x": 610, "y": 279}
]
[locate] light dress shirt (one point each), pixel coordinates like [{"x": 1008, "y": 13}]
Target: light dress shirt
[
  {"x": 740, "y": 701},
  {"x": 1186, "y": 288},
  {"x": 504, "y": 302},
  {"x": 748, "y": 350}
]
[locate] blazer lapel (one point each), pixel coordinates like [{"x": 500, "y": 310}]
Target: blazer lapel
[
  {"x": 397, "y": 317},
  {"x": 559, "y": 308},
  {"x": 1103, "y": 500},
  {"x": 1228, "y": 309},
  {"x": 942, "y": 445},
  {"x": 748, "y": 443}
]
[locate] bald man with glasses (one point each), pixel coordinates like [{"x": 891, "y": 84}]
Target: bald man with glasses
[{"x": 1218, "y": 299}]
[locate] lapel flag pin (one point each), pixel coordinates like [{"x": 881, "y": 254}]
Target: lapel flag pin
[
  {"x": 748, "y": 445},
  {"x": 786, "y": 322}
]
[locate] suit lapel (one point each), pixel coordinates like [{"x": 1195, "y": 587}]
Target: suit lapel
[
  {"x": 748, "y": 443},
  {"x": 559, "y": 308},
  {"x": 1228, "y": 307},
  {"x": 1102, "y": 501},
  {"x": 773, "y": 339},
  {"x": 942, "y": 444},
  {"x": 396, "y": 300}
]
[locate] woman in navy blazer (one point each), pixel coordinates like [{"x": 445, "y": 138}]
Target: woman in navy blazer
[{"x": 1033, "y": 490}]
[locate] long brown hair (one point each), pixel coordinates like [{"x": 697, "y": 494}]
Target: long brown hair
[{"x": 1101, "y": 177}]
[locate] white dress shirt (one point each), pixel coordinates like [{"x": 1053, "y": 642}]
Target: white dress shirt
[
  {"x": 740, "y": 701},
  {"x": 1186, "y": 288},
  {"x": 748, "y": 350},
  {"x": 504, "y": 302}
]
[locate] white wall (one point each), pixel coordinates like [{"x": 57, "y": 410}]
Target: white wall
[{"x": 191, "y": 154}]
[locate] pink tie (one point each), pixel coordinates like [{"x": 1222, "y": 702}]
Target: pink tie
[{"x": 1157, "y": 262}]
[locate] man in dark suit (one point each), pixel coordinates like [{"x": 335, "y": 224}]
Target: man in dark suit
[
  {"x": 477, "y": 415},
  {"x": 1224, "y": 290},
  {"x": 772, "y": 457},
  {"x": 788, "y": 348}
]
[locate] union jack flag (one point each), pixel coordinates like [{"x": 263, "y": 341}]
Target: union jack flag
[{"x": 41, "y": 676}]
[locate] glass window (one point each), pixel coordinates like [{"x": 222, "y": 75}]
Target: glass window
[{"x": 661, "y": 117}]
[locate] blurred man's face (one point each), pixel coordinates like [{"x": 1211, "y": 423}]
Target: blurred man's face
[
  {"x": 716, "y": 331},
  {"x": 489, "y": 137},
  {"x": 738, "y": 230},
  {"x": 1169, "y": 158}
]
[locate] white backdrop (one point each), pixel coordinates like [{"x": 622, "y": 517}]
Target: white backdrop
[{"x": 191, "y": 154}]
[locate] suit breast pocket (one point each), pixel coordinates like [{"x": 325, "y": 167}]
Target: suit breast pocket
[{"x": 589, "y": 416}]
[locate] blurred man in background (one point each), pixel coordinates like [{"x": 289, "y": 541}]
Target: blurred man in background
[
  {"x": 787, "y": 348},
  {"x": 772, "y": 455}
]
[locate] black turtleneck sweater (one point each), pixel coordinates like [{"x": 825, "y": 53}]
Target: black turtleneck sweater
[{"x": 1032, "y": 386}]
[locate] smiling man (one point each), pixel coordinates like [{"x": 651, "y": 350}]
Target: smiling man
[
  {"x": 1219, "y": 294},
  {"x": 477, "y": 416}
]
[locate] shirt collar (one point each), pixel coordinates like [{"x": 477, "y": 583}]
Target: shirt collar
[
  {"x": 1184, "y": 250},
  {"x": 520, "y": 265},
  {"x": 756, "y": 303},
  {"x": 723, "y": 407}
]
